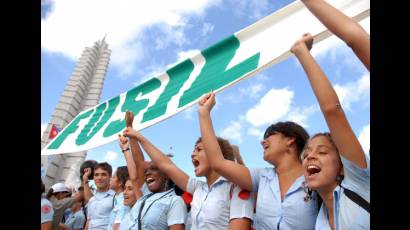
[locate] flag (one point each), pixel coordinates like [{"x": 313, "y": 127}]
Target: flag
[
  {"x": 237, "y": 57},
  {"x": 53, "y": 132}
]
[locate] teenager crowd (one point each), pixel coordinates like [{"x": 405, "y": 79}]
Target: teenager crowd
[{"x": 320, "y": 181}]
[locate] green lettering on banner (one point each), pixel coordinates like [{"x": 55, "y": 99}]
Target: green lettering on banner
[
  {"x": 132, "y": 105},
  {"x": 214, "y": 74},
  {"x": 177, "y": 77},
  {"x": 112, "y": 105},
  {"x": 72, "y": 127}
]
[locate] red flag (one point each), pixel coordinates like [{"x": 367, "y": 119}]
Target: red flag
[{"x": 53, "y": 132}]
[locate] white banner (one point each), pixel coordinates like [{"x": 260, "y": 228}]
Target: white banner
[{"x": 242, "y": 55}]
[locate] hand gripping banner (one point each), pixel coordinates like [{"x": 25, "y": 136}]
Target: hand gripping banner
[{"x": 240, "y": 56}]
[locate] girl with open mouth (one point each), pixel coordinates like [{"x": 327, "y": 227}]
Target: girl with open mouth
[
  {"x": 149, "y": 194},
  {"x": 334, "y": 163},
  {"x": 280, "y": 203},
  {"x": 217, "y": 203}
]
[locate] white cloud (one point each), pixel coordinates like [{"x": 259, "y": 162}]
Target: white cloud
[
  {"x": 301, "y": 115},
  {"x": 156, "y": 70},
  {"x": 207, "y": 28},
  {"x": 252, "y": 131},
  {"x": 72, "y": 25},
  {"x": 351, "y": 92},
  {"x": 43, "y": 128},
  {"x": 171, "y": 34},
  {"x": 232, "y": 132},
  {"x": 110, "y": 156},
  {"x": 272, "y": 106},
  {"x": 254, "y": 10},
  {"x": 253, "y": 90},
  {"x": 364, "y": 138}
]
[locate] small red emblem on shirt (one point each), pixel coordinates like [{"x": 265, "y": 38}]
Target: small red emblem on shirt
[
  {"x": 45, "y": 208},
  {"x": 244, "y": 194},
  {"x": 187, "y": 197}
]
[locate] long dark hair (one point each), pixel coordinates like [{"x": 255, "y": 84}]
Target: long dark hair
[
  {"x": 122, "y": 175},
  {"x": 289, "y": 129}
]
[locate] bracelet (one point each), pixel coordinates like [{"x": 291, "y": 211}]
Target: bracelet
[{"x": 125, "y": 150}]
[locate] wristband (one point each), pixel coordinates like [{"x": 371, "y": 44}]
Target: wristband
[{"x": 125, "y": 150}]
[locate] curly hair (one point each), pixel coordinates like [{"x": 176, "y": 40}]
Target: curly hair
[{"x": 226, "y": 148}]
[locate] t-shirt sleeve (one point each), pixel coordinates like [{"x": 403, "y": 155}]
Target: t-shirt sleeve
[
  {"x": 89, "y": 207},
  {"x": 357, "y": 179},
  {"x": 192, "y": 185},
  {"x": 241, "y": 203},
  {"x": 79, "y": 222},
  {"x": 255, "y": 176},
  {"x": 120, "y": 214},
  {"x": 177, "y": 211},
  {"x": 46, "y": 212}
]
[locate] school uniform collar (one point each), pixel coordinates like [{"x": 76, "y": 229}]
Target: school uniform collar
[
  {"x": 220, "y": 180},
  {"x": 110, "y": 192},
  {"x": 271, "y": 174}
]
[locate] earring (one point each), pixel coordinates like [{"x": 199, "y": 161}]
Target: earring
[{"x": 339, "y": 179}]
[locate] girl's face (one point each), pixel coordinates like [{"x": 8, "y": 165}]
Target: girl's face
[
  {"x": 129, "y": 194},
  {"x": 200, "y": 161},
  {"x": 114, "y": 182},
  {"x": 321, "y": 163},
  {"x": 155, "y": 179},
  {"x": 274, "y": 146}
]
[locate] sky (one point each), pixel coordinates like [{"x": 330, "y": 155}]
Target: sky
[{"x": 147, "y": 37}]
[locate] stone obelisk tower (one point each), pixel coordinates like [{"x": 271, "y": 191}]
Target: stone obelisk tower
[{"x": 82, "y": 91}]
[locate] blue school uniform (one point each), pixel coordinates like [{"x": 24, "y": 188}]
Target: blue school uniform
[
  {"x": 213, "y": 207},
  {"x": 348, "y": 214},
  {"x": 273, "y": 213}
]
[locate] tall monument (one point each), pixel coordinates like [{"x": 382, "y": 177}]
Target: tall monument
[{"x": 83, "y": 90}]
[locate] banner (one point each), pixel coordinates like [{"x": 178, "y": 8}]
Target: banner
[{"x": 240, "y": 56}]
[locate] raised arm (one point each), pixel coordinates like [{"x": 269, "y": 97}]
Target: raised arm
[
  {"x": 87, "y": 190},
  {"x": 132, "y": 168},
  {"x": 236, "y": 173},
  {"x": 343, "y": 27},
  {"x": 135, "y": 148},
  {"x": 339, "y": 127},
  {"x": 163, "y": 162}
]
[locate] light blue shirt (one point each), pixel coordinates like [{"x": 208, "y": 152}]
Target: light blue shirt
[
  {"x": 273, "y": 213},
  {"x": 76, "y": 220},
  {"x": 214, "y": 207},
  {"x": 348, "y": 214},
  {"x": 160, "y": 211},
  {"x": 47, "y": 211},
  {"x": 126, "y": 220},
  {"x": 99, "y": 208},
  {"x": 117, "y": 212}
]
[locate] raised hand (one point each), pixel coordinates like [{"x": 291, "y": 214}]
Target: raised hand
[
  {"x": 122, "y": 141},
  {"x": 207, "y": 102},
  {"x": 302, "y": 44},
  {"x": 131, "y": 133},
  {"x": 87, "y": 172},
  {"x": 129, "y": 118}
]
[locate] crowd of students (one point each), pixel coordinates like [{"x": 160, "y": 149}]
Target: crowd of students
[{"x": 317, "y": 182}]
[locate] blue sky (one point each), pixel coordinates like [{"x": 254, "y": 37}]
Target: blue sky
[{"x": 146, "y": 37}]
